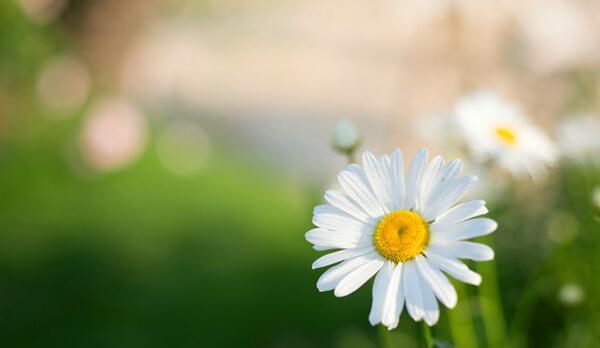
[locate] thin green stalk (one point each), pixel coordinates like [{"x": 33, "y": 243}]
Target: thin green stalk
[
  {"x": 427, "y": 337},
  {"x": 522, "y": 317},
  {"x": 350, "y": 156},
  {"x": 460, "y": 320},
  {"x": 385, "y": 337},
  {"x": 491, "y": 304}
]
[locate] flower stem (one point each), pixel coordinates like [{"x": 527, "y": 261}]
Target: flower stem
[
  {"x": 427, "y": 337},
  {"x": 385, "y": 338},
  {"x": 350, "y": 156},
  {"x": 460, "y": 320},
  {"x": 491, "y": 304}
]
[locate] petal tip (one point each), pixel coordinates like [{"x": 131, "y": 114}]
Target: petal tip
[
  {"x": 493, "y": 225},
  {"x": 339, "y": 293},
  {"x": 431, "y": 322},
  {"x": 373, "y": 321}
]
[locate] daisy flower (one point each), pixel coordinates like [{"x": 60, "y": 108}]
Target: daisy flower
[
  {"x": 404, "y": 228},
  {"x": 579, "y": 139},
  {"x": 494, "y": 129}
]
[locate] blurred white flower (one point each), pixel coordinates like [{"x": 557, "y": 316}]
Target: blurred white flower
[
  {"x": 63, "y": 85},
  {"x": 494, "y": 129},
  {"x": 345, "y": 136},
  {"x": 406, "y": 229},
  {"x": 571, "y": 294},
  {"x": 114, "y": 134},
  {"x": 579, "y": 138},
  {"x": 183, "y": 147}
]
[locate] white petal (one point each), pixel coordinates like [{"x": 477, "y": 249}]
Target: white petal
[
  {"x": 412, "y": 291},
  {"x": 388, "y": 298},
  {"x": 430, "y": 305},
  {"x": 446, "y": 196},
  {"x": 454, "y": 267},
  {"x": 463, "y": 230},
  {"x": 431, "y": 178},
  {"x": 414, "y": 176},
  {"x": 354, "y": 182},
  {"x": 463, "y": 250},
  {"x": 358, "y": 277},
  {"x": 327, "y": 216},
  {"x": 397, "y": 173},
  {"x": 463, "y": 212},
  {"x": 380, "y": 290},
  {"x": 347, "y": 205},
  {"x": 394, "y": 300},
  {"x": 378, "y": 173},
  {"x": 338, "y": 239},
  {"x": 451, "y": 170},
  {"x": 335, "y": 257},
  {"x": 330, "y": 279},
  {"x": 438, "y": 282}
]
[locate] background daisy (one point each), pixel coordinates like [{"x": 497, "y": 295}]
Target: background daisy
[{"x": 496, "y": 130}]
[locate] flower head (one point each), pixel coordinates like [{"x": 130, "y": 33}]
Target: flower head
[
  {"x": 494, "y": 129},
  {"x": 406, "y": 229}
]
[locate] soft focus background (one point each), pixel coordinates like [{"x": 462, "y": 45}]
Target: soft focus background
[{"x": 159, "y": 162}]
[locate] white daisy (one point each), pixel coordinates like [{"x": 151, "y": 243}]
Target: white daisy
[
  {"x": 494, "y": 129},
  {"x": 579, "y": 138},
  {"x": 404, "y": 228}
]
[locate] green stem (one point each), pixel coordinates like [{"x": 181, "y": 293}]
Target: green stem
[
  {"x": 350, "y": 156},
  {"x": 460, "y": 320},
  {"x": 427, "y": 337},
  {"x": 385, "y": 338},
  {"x": 522, "y": 317},
  {"x": 491, "y": 304}
]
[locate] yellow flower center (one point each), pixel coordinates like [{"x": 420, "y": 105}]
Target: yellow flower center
[
  {"x": 401, "y": 236},
  {"x": 506, "y": 135}
]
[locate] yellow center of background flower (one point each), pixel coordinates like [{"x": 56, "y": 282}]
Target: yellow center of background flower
[
  {"x": 401, "y": 236},
  {"x": 506, "y": 135}
]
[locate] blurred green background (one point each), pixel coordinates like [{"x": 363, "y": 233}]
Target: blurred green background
[{"x": 130, "y": 245}]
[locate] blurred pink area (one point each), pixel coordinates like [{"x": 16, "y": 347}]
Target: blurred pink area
[
  {"x": 114, "y": 134},
  {"x": 63, "y": 85}
]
